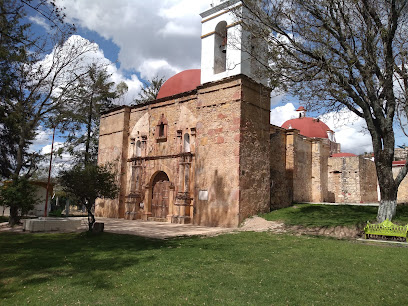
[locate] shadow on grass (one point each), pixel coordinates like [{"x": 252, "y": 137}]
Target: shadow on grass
[{"x": 88, "y": 258}]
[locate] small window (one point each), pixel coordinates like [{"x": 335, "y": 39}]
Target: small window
[
  {"x": 186, "y": 142},
  {"x": 161, "y": 129},
  {"x": 138, "y": 148}
]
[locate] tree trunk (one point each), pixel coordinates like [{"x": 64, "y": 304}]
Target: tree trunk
[
  {"x": 386, "y": 210},
  {"x": 91, "y": 217},
  {"x": 14, "y": 218},
  {"x": 89, "y": 129},
  {"x": 388, "y": 191}
]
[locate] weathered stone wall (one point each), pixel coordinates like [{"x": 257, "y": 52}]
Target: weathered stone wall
[
  {"x": 368, "y": 181},
  {"x": 344, "y": 179},
  {"x": 113, "y": 149},
  {"x": 402, "y": 196},
  {"x": 217, "y": 191},
  {"x": 319, "y": 178},
  {"x": 401, "y": 154},
  {"x": 302, "y": 172},
  {"x": 254, "y": 167},
  {"x": 352, "y": 180},
  {"x": 281, "y": 193}
]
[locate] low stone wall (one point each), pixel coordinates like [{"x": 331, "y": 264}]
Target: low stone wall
[{"x": 51, "y": 224}]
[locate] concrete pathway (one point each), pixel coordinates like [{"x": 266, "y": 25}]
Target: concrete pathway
[
  {"x": 150, "y": 229},
  {"x": 160, "y": 230}
]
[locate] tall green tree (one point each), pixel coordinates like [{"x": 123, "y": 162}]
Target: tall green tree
[
  {"x": 336, "y": 54},
  {"x": 37, "y": 72},
  {"x": 93, "y": 93},
  {"x": 150, "y": 90},
  {"x": 13, "y": 40}
]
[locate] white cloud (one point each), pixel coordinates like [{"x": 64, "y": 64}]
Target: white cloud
[
  {"x": 40, "y": 21},
  {"x": 43, "y": 138},
  {"x": 283, "y": 113},
  {"x": 93, "y": 55},
  {"x": 351, "y": 131},
  {"x": 145, "y": 31},
  {"x": 47, "y": 148}
]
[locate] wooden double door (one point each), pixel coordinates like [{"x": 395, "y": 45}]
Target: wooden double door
[{"x": 160, "y": 195}]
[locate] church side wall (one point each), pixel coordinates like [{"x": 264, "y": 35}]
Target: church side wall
[
  {"x": 113, "y": 150},
  {"x": 320, "y": 155},
  {"x": 217, "y": 191},
  {"x": 254, "y": 171},
  {"x": 344, "y": 179},
  {"x": 368, "y": 181},
  {"x": 302, "y": 173},
  {"x": 280, "y": 193}
]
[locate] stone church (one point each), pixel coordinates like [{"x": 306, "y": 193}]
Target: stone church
[{"x": 204, "y": 152}]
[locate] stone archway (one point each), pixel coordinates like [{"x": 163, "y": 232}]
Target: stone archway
[{"x": 160, "y": 195}]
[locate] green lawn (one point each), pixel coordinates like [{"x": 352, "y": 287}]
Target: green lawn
[
  {"x": 331, "y": 215},
  {"x": 233, "y": 269},
  {"x": 3, "y": 219}
]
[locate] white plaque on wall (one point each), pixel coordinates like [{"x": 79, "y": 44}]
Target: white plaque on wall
[{"x": 203, "y": 195}]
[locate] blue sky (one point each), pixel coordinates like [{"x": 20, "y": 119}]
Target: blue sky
[{"x": 141, "y": 39}]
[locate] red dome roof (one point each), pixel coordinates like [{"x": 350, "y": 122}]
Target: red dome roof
[
  {"x": 308, "y": 127},
  {"x": 343, "y": 154},
  {"x": 181, "y": 82}
]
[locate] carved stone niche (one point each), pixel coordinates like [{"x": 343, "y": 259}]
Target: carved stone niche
[
  {"x": 193, "y": 131},
  {"x": 186, "y": 158},
  {"x": 161, "y": 129},
  {"x": 183, "y": 198}
]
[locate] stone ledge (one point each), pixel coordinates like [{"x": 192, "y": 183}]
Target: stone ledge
[{"x": 46, "y": 224}]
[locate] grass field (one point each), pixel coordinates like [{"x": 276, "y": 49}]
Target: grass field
[
  {"x": 331, "y": 215},
  {"x": 232, "y": 269}
]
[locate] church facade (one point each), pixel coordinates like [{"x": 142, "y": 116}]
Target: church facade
[{"x": 204, "y": 152}]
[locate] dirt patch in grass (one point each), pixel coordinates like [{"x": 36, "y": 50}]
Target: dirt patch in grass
[
  {"x": 340, "y": 232},
  {"x": 258, "y": 224}
]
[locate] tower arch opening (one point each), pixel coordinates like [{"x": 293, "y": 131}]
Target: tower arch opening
[{"x": 220, "y": 47}]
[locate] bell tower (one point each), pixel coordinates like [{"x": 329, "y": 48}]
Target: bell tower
[{"x": 226, "y": 48}]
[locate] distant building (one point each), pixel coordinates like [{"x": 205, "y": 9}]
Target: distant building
[{"x": 38, "y": 210}]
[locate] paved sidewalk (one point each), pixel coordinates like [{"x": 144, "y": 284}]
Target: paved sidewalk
[
  {"x": 160, "y": 230},
  {"x": 151, "y": 229}
]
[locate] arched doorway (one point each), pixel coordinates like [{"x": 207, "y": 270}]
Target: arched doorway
[{"x": 160, "y": 195}]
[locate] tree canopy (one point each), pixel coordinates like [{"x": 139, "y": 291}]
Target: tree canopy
[
  {"x": 150, "y": 90},
  {"x": 93, "y": 93},
  {"x": 20, "y": 195},
  {"x": 86, "y": 183}
]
